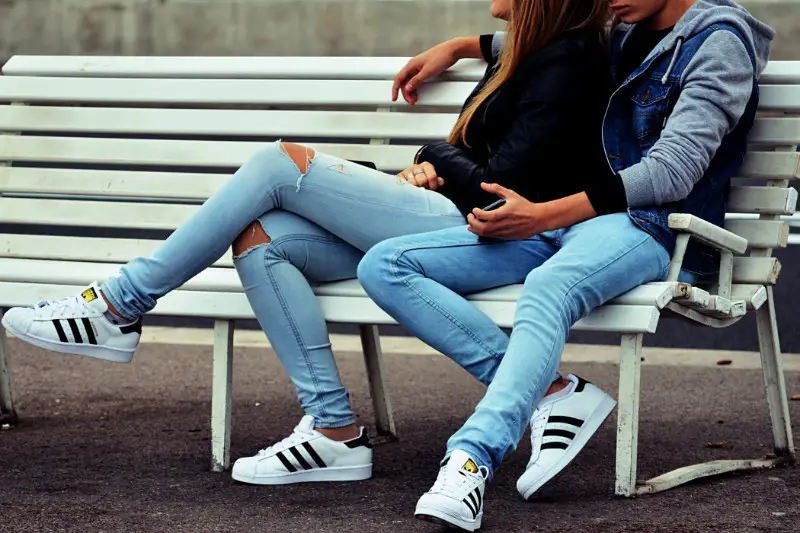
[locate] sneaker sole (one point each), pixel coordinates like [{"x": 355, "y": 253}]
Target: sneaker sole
[
  {"x": 116, "y": 355},
  {"x": 343, "y": 473},
  {"x": 441, "y": 517},
  {"x": 528, "y": 488}
]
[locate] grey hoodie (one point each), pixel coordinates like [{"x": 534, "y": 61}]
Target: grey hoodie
[{"x": 715, "y": 89}]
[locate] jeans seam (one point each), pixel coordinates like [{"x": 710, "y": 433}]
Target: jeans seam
[
  {"x": 296, "y": 333},
  {"x": 562, "y": 314},
  {"x": 442, "y": 311},
  {"x": 458, "y": 215}
]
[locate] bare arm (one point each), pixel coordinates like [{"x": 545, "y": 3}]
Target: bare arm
[{"x": 431, "y": 63}]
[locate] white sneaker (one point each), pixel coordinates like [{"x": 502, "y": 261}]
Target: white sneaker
[
  {"x": 456, "y": 499},
  {"x": 307, "y": 456},
  {"x": 75, "y": 325},
  {"x": 560, "y": 428}
]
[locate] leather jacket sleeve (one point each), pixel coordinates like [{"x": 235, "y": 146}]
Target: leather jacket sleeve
[{"x": 540, "y": 117}]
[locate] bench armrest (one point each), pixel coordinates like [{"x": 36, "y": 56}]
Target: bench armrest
[{"x": 706, "y": 232}]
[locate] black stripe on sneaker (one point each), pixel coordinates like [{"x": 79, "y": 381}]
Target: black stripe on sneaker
[
  {"x": 76, "y": 333},
  {"x": 136, "y": 327},
  {"x": 314, "y": 455},
  {"x": 300, "y": 459},
  {"x": 558, "y": 433},
  {"x": 471, "y": 508},
  {"x": 60, "y": 330},
  {"x": 480, "y": 498},
  {"x": 554, "y": 445},
  {"x": 581, "y": 384},
  {"x": 474, "y": 501},
  {"x": 289, "y": 466},
  {"x": 87, "y": 325},
  {"x": 565, "y": 420}
]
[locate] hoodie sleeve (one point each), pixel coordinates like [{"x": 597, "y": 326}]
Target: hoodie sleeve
[{"x": 716, "y": 87}]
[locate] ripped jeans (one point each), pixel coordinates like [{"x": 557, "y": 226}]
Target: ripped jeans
[{"x": 319, "y": 224}]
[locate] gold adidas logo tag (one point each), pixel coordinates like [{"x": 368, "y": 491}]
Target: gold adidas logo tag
[
  {"x": 470, "y": 466},
  {"x": 89, "y": 295}
]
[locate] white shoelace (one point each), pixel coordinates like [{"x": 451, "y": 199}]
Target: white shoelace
[
  {"x": 452, "y": 479},
  {"x": 73, "y": 305},
  {"x": 297, "y": 436}
]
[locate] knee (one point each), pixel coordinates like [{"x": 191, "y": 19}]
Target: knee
[
  {"x": 271, "y": 155},
  {"x": 376, "y": 267},
  {"x": 302, "y": 156},
  {"x": 251, "y": 237}
]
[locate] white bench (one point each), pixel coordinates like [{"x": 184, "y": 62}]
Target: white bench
[{"x": 132, "y": 143}]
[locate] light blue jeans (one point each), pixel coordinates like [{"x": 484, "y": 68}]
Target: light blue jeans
[
  {"x": 320, "y": 225},
  {"x": 418, "y": 279}
]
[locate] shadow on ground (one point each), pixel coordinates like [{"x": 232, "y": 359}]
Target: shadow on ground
[{"x": 106, "y": 447}]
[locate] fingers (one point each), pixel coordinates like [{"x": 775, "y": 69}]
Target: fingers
[
  {"x": 402, "y": 77},
  {"x": 498, "y": 190},
  {"x": 430, "y": 175},
  {"x": 475, "y": 226},
  {"x": 489, "y": 216}
]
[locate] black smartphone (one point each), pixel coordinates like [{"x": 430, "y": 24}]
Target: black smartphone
[{"x": 495, "y": 205}]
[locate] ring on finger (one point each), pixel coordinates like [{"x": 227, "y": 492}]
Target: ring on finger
[
  {"x": 410, "y": 176},
  {"x": 419, "y": 171}
]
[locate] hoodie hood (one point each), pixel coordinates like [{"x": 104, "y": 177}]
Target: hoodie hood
[{"x": 705, "y": 13}]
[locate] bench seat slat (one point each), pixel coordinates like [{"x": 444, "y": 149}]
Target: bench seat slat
[
  {"x": 179, "y": 153},
  {"x": 229, "y": 305},
  {"x": 228, "y": 122},
  {"x": 215, "y": 92}
]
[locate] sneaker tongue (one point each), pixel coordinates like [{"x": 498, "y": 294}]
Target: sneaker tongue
[
  {"x": 306, "y": 424},
  {"x": 464, "y": 462}
]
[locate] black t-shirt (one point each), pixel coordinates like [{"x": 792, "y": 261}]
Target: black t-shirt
[
  {"x": 608, "y": 195},
  {"x": 637, "y": 47}
]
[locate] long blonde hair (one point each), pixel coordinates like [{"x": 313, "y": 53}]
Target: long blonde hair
[{"x": 531, "y": 25}]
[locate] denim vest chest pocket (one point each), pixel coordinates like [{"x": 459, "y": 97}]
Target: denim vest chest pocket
[{"x": 650, "y": 111}]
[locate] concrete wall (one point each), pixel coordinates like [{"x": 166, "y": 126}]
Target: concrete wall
[{"x": 274, "y": 27}]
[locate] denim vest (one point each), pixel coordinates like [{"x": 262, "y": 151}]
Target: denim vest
[{"x": 636, "y": 114}]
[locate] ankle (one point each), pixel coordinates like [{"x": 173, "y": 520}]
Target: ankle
[
  {"x": 557, "y": 386},
  {"x": 340, "y": 434},
  {"x": 111, "y": 308}
]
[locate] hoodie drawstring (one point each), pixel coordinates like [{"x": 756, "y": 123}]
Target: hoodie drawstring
[{"x": 678, "y": 44}]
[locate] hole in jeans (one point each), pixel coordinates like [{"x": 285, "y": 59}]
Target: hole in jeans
[
  {"x": 251, "y": 237},
  {"x": 301, "y": 155}
]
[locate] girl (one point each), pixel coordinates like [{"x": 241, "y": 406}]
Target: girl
[{"x": 297, "y": 217}]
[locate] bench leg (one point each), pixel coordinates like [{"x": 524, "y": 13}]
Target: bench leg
[
  {"x": 774, "y": 383},
  {"x": 221, "y": 395},
  {"x": 384, "y": 420},
  {"x": 8, "y": 415},
  {"x": 630, "y": 367}
]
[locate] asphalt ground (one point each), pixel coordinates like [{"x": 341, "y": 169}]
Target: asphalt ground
[{"x": 106, "y": 447}]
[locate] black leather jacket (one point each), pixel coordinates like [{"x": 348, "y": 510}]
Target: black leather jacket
[{"x": 539, "y": 134}]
